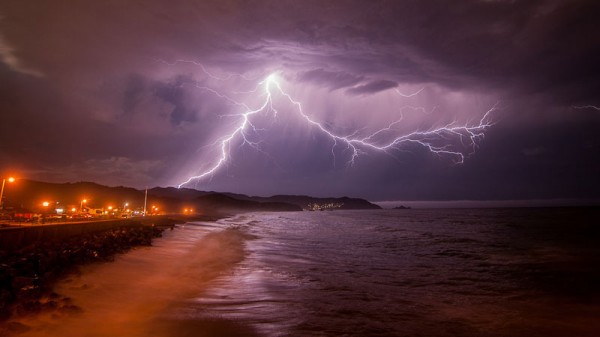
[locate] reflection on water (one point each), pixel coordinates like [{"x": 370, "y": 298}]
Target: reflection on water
[{"x": 486, "y": 272}]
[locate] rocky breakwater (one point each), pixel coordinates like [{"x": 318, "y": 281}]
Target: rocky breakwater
[{"x": 27, "y": 274}]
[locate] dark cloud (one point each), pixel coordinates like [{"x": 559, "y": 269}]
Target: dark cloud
[
  {"x": 174, "y": 92},
  {"x": 135, "y": 89},
  {"x": 113, "y": 86},
  {"x": 372, "y": 87},
  {"x": 330, "y": 79},
  {"x": 355, "y": 85}
]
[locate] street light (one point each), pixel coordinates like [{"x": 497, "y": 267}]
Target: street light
[
  {"x": 10, "y": 180},
  {"x": 45, "y": 204},
  {"x": 81, "y": 204}
]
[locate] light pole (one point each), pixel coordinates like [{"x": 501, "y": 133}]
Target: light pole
[
  {"x": 45, "y": 204},
  {"x": 145, "y": 200},
  {"x": 81, "y": 205},
  {"x": 10, "y": 180}
]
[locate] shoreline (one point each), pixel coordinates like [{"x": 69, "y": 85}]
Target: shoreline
[{"x": 30, "y": 268}]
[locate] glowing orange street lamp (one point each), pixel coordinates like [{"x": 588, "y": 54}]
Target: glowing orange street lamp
[
  {"x": 45, "y": 204},
  {"x": 10, "y": 180},
  {"x": 81, "y": 204}
]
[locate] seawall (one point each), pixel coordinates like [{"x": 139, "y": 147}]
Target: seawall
[{"x": 15, "y": 238}]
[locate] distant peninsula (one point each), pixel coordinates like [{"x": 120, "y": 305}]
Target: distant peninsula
[{"x": 401, "y": 207}]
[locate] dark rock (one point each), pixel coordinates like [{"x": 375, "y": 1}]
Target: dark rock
[
  {"x": 52, "y": 305},
  {"x": 27, "y": 276},
  {"x": 6, "y": 298},
  {"x": 21, "y": 282},
  {"x": 28, "y": 307},
  {"x": 71, "y": 309},
  {"x": 14, "y": 328}
]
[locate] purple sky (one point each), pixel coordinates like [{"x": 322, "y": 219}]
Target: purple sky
[{"x": 140, "y": 93}]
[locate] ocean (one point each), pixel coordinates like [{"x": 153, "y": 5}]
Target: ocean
[{"x": 415, "y": 272}]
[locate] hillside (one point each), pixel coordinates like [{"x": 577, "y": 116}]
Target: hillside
[
  {"x": 29, "y": 194},
  {"x": 302, "y": 201}
]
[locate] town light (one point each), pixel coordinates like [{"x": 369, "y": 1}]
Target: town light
[{"x": 45, "y": 204}]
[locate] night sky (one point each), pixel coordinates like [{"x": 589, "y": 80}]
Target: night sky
[{"x": 142, "y": 93}]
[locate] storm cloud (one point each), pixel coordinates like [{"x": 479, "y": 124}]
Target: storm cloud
[{"x": 137, "y": 93}]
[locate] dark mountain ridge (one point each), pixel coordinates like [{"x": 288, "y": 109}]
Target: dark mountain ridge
[{"x": 30, "y": 194}]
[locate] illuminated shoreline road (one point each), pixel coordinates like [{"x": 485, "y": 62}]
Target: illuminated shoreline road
[{"x": 18, "y": 224}]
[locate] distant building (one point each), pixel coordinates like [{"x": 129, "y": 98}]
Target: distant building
[
  {"x": 324, "y": 206},
  {"x": 93, "y": 211}
]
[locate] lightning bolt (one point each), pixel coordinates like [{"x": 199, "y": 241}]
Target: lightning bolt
[
  {"x": 409, "y": 95},
  {"x": 468, "y": 135},
  {"x": 587, "y": 107}
]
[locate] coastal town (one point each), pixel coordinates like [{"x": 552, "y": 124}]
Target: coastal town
[
  {"x": 330, "y": 206},
  {"x": 28, "y": 205}
]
